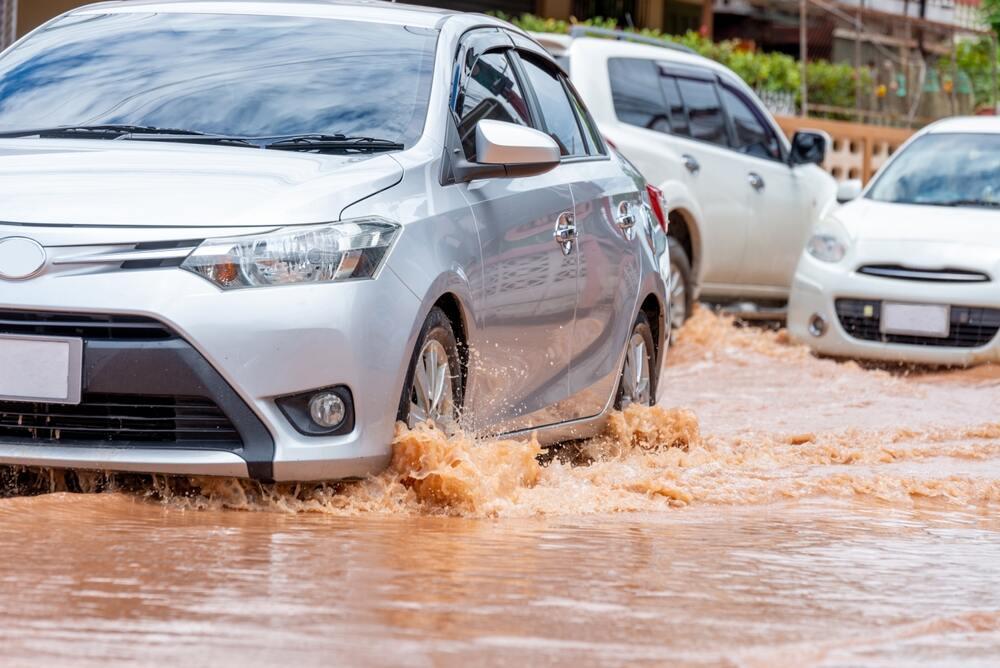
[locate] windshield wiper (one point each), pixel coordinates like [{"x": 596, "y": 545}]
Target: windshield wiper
[
  {"x": 334, "y": 143},
  {"x": 140, "y": 132},
  {"x": 970, "y": 202}
]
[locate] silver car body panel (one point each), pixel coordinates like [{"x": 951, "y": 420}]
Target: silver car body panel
[{"x": 547, "y": 348}]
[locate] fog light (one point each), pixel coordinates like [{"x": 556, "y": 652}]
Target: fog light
[
  {"x": 817, "y": 325},
  {"x": 327, "y": 410}
]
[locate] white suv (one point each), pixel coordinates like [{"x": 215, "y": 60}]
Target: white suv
[{"x": 741, "y": 200}]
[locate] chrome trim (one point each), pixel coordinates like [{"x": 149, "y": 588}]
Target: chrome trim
[
  {"x": 944, "y": 275},
  {"x": 117, "y": 257},
  {"x": 172, "y": 461}
]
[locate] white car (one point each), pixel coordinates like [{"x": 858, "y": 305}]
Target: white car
[
  {"x": 906, "y": 272},
  {"x": 741, "y": 199}
]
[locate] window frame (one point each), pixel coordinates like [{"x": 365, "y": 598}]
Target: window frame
[{"x": 758, "y": 114}]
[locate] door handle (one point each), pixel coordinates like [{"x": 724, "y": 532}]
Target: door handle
[
  {"x": 565, "y": 233},
  {"x": 755, "y": 181},
  {"x": 691, "y": 164},
  {"x": 626, "y": 219}
]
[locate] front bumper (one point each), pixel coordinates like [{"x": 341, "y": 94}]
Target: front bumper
[
  {"x": 242, "y": 350},
  {"x": 817, "y": 286}
]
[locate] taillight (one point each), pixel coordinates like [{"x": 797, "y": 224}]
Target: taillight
[{"x": 658, "y": 203}]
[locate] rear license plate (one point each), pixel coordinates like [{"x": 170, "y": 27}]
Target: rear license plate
[
  {"x": 41, "y": 368},
  {"x": 916, "y": 319}
]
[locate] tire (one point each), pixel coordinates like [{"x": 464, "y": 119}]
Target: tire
[
  {"x": 644, "y": 391},
  {"x": 682, "y": 295},
  {"x": 417, "y": 402}
]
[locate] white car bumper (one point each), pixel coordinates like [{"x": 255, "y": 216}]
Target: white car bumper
[{"x": 818, "y": 286}]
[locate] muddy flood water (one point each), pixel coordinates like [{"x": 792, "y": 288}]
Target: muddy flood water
[{"x": 778, "y": 510}]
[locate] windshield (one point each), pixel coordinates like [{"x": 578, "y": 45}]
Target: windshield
[
  {"x": 236, "y": 75},
  {"x": 949, "y": 169}
]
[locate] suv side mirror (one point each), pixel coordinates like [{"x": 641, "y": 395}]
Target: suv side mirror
[
  {"x": 848, "y": 190},
  {"x": 508, "y": 150},
  {"x": 808, "y": 148}
]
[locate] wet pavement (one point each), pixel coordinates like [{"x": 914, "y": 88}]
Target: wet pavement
[{"x": 778, "y": 510}]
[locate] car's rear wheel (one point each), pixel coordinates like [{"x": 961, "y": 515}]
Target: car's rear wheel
[
  {"x": 636, "y": 383},
  {"x": 433, "y": 389},
  {"x": 681, "y": 292}
]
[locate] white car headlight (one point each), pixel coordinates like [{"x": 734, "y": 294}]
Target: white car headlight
[
  {"x": 826, "y": 247},
  {"x": 342, "y": 251}
]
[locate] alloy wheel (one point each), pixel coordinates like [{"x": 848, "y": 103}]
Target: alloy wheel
[
  {"x": 431, "y": 395},
  {"x": 636, "y": 385}
]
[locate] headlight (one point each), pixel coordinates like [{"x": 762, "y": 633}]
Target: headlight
[
  {"x": 342, "y": 251},
  {"x": 826, "y": 247}
]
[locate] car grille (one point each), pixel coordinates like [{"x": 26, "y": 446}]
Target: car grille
[
  {"x": 971, "y": 327},
  {"x": 91, "y": 327},
  {"x": 932, "y": 275},
  {"x": 119, "y": 419}
]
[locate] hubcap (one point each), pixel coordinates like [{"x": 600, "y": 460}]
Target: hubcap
[
  {"x": 431, "y": 397},
  {"x": 635, "y": 376},
  {"x": 678, "y": 297}
]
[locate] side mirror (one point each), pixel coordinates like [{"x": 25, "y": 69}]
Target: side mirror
[
  {"x": 508, "y": 150},
  {"x": 808, "y": 148},
  {"x": 848, "y": 190}
]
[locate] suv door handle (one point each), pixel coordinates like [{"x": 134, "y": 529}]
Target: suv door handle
[
  {"x": 755, "y": 181},
  {"x": 626, "y": 219},
  {"x": 691, "y": 164},
  {"x": 565, "y": 233}
]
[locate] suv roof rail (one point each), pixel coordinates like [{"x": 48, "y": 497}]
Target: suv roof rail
[{"x": 622, "y": 35}]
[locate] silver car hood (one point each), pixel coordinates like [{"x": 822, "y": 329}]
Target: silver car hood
[{"x": 164, "y": 184}]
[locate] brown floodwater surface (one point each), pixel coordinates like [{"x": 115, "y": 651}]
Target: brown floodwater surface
[{"x": 778, "y": 509}]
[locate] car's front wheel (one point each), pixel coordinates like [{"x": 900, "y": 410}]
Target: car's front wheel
[
  {"x": 433, "y": 388},
  {"x": 636, "y": 383}
]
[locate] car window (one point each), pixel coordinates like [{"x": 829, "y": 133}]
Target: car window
[
  {"x": 753, "y": 137},
  {"x": 490, "y": 91},
  {"x": 238, "y": 75},
  {"x": 593, "y": 136},
  {"x": 678, "y": 115},
  {"x": 558, "y": 117},
  {"x": 636, "y": 95},
  {"x": 704, "y": 111}
]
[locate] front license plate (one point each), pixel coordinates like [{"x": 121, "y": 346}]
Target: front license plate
[
  {"x": 916, "y": 319},
  {"x": 41, "y": 368}
]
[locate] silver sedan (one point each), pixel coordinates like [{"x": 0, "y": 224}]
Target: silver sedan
[{"x": 246, "y": 239}]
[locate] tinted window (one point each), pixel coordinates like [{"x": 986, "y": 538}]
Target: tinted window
[
  {"x": 635, "y": 92},
  {"x": 557, "y": 112},
  {"x": 678, "y": 116},
  {"x": 704, "y": 113},
  {"x": 244, "y": 75},
  {"x": 594, "y": 141},
  {"x": 492, "y": 92},
  {"x": 753, "y": 137}
]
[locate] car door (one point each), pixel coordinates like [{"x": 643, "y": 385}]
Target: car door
[
  {"x": 779, "y": 220},
  {"x": 698, "y": 123},
  {"x": 520, "y": 368},
  {"x": 605, "y": 199}
]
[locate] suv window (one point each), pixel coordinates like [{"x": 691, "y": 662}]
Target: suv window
[
  {"x": 490, "y": 91},
  {"x": 678, "y": 115},
  {"x": 704, "y": 111},
  {"x": 557, "y": 113},
  {"x": 753, "y": 136},
  {"x": 635, "y": 92}
]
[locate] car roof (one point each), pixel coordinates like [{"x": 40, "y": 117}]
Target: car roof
[
  {"x": 559, "y": 44},
  {"x": 965, "y": 124},
  {"x": 370, "y": 10}
]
